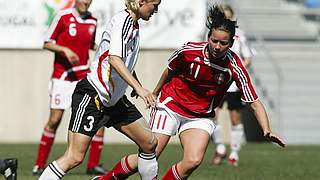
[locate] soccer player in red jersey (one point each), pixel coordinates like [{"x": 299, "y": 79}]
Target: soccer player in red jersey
[
  {"x": 193, "y": 85},
  {"x": 99, "y": 100},
  {"x": 70, "y": 36}
]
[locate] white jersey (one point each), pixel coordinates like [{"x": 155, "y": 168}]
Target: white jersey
[
  {"x": 240, "y": 47},
  {"x": 121, "y": 38}
]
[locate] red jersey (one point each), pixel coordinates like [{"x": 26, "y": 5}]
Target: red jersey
[
  {"x": 70, "y": 30},
  {"x": 199, "y": 84}
]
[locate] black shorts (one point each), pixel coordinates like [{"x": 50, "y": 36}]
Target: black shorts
[
  {"x": 233, "y": 100},
  {"x": 88, "y": 114}
]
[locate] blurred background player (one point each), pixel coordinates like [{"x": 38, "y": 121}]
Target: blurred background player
[
  {"x": 70, "y": 36},
  {"x": 233, "y": 100},
  {"x": 102, "y": 94},
  {"x": 8, "y": 168},
  {"x": 190, "y": 88}
]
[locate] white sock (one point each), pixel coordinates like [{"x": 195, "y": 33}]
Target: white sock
[
  {"x": 234, "y": 155},
  {"x": 221, "y": 149},
  {"x": 217, "y": 137},
  {"x": 236, "y": 137},
  {"x": 52, "y": 172},
  {"x": 147, "y": 166}
]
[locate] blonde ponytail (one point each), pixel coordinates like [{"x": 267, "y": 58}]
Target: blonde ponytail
[{"x": 132, "y": 5}]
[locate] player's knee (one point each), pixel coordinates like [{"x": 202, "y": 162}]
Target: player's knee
[
  {"x": 75, "y": 159},
  {"x": 53, "y": 123},
  {"x": 193, "y": 162},
  {"x": 150, "y": 145}
]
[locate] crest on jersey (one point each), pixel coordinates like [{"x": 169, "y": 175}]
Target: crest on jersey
[
  {"x": 72, "y": 19},
  {"x": 91, "y": 29},
  {"x": 219, "y": 78},
  {"x": 197, "y": 59}
]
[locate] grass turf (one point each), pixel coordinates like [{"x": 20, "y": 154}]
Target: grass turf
[{"x": 259, "y": 161}]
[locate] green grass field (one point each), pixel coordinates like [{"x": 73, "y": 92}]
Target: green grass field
[{"x": 258, "y": 162}]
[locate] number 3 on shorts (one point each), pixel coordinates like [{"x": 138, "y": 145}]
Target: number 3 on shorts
[{"x": 90, "y": 126}]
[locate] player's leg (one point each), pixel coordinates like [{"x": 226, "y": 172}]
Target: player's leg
[
  {"x": 147, "y": 142},
  {"x": 194, "y": 137},
  {"x": 217, "y": 137},
  {"x": 194, "y": 143},
  {"x": 86, "y": 119},
  {"x": 60, "y": 99},
  {"x": 74, "y": 155},
  {"x": 127, "y": 119},
  {"x": 128, "y": 165},
  {"x": 93, "y": 166},
  {"x": 47, "y": 139},
  {"x": 237, "y": 131}
]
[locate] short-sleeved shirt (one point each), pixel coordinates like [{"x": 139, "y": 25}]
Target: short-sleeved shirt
[
  {"x": 70, "y": 30},
  {"x": 121, "y": 38},
  {"x": 199, "y": 84}
]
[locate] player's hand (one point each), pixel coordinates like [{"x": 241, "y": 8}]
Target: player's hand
[
  {"x": 72, "y": 57},
  {"x": 155, "y": 93},
  {"x": 274, "y": 138},
  {"x": 147, "y": 96},
  {"x": 134, "y": 94}
]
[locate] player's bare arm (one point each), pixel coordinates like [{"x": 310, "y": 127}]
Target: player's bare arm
[
  {"x": 72, "y": 57},
  {"x": 94, "y": 47},
  {"x": 165, "y": 77},
  {"x": 262, "y": 118},
  {"x": 117, "y": 63}
]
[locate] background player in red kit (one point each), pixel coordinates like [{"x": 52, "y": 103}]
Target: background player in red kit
[
  {"x": 193, "y": 85},
  {"x": 70, "y": 36}
]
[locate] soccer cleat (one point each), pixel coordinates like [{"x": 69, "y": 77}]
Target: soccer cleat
[
  {"x": 217, "y": 158},
  {"x": 97, "y": 170},
  {"x": 37, "y": 171},
  {"x": 233, "y": 162},
  {"x": 10, "y": 170}
]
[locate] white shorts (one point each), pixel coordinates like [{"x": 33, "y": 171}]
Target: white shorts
[
  {"x": 165, "y": 121},
  {"x": 60, "y": 92}
]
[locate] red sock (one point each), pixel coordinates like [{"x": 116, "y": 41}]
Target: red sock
[
  {"x": 121, "y": 170},
  {"x": 172, "y": 174},
  {"x": 45, "y": 145},
  {"x": 95, "y": 151}
]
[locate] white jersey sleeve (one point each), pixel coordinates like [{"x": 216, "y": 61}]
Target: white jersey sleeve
[{"x": 119, "y": 34}]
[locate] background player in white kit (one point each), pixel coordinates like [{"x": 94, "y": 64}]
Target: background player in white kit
[
  {"x": 70, "y": 36},
  {"x": 233, "y": 99},
  {"x": 193, "y": 85},
  {"x": 99, "y": 100}
]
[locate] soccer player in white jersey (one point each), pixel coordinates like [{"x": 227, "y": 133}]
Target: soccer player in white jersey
[
  {"x": 99, "y": 99},
  {"x": 193, "y": 85},
  {"x": 70, "y": 37},
  {"x": 233, "y": 99}
]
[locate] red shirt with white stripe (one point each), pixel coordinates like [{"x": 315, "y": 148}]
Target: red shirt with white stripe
[
  {"x": 70, "y": 30},
  {"x": 199, "y": 84}
]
